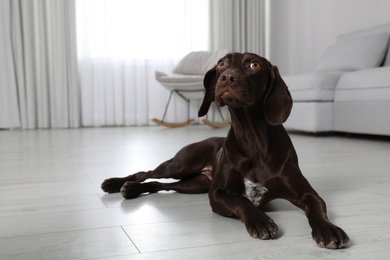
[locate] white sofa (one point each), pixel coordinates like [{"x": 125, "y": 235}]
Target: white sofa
[{"x": 350, "y": 89}]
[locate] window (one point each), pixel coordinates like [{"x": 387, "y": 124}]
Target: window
[{"x": 142, "y": 29}]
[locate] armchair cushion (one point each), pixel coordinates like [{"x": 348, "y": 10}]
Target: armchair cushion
[
  {"x": 198, "y": 63},
  {"x": 178, "y": 78}
]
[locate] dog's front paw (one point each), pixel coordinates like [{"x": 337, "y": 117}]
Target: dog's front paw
[
  {"x": 112, "y": 185},
  {"x": 261, "y": 227},
  {"x": 330, "y": 236}
]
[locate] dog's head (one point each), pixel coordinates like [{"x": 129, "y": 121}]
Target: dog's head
[{"x": 247, "y": 80}]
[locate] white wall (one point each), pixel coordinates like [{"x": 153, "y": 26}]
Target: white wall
[{"x": 301, "y": 30}]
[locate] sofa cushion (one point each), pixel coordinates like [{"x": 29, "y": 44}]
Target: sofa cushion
[
  {"x": 355, "y": 53},
  {"x": 364, "y": 85},
  {"x": 365, "y": 32},
  {"x": 387, "y": 60},
  {"x": 317, "y": 86}
]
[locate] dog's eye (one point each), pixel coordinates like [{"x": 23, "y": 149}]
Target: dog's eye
[
  {"x": 254, "y": 65},
  {"x": 222, "y": 64}
]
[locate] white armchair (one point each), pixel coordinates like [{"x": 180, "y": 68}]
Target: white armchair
[{"x": 186, "y": 81}]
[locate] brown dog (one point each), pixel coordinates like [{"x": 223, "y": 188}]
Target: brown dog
[{"x": 253, "y": 165}]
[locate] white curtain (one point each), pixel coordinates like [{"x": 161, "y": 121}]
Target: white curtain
[
  {"x": 121, "y": 43},
  {"x": 38, "y": 67},
  {"x": 238, "y": 25}
]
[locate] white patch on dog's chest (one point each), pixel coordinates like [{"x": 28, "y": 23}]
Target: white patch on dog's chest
[{"x": 254, "y": 191}]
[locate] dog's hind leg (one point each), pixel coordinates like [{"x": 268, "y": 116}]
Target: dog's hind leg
[
  {"x": 190, "y": 161},
  {"x": 168, "y": 169},
  {"x": 199, "y": 183},
  {"x": 113, "y": 185}
]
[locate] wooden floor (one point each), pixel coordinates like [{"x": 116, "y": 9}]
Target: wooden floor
[{"x": 51, "y": 205}]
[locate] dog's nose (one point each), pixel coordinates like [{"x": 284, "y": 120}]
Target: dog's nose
[{"x": 229, "y": 78}]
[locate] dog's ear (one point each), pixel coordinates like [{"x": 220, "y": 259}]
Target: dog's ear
[
  {"x": 209, "y": 82},
  {"x": 278, "y": 101}
]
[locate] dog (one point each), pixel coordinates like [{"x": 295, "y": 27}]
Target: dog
[{"x": 253, "y": 165}]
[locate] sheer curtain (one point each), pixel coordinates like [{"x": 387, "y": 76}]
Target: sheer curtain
[
  {"x": 38, "y": 68},
  {"x": 239, "y": 25},
  {"x": 120, "y": 45}
]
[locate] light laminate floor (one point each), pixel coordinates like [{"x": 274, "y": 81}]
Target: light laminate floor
[{"x": 52, "y": 206}]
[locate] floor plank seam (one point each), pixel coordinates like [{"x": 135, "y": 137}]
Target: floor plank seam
[{"x": 139, "y": 251}]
